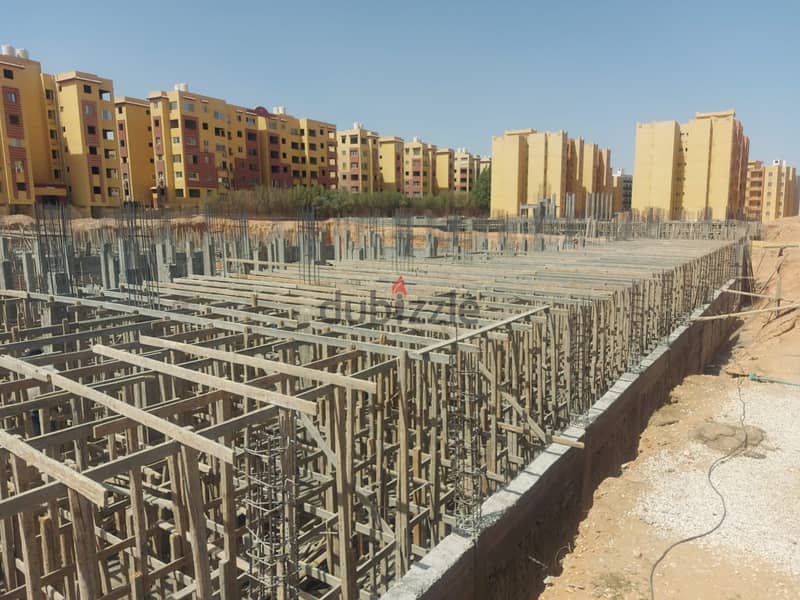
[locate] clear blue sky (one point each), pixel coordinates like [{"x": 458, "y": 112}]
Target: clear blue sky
[{"x": 454, "y": 73}]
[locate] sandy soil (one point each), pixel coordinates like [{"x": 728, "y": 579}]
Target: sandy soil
[{"x": 663, "y": 496}]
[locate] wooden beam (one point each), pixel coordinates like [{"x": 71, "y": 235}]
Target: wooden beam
[
  {"x": 74, "y": 480},
  {"x": 179, "y": 434},
  {"x": 240, "y": 389},
  {"x": 263, "y": 364}
]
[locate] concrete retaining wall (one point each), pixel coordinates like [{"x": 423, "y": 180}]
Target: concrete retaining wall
[{"x": 530, "y": 522}]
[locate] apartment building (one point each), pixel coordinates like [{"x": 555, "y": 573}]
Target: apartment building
[
  {"x": 484, "y": 164},
  {"x": 509, "y": 172},
  {"x": 622, "y": 188},
  {"x": 444, "y": 177},
  {"x": 390, "y": 156},
  {"x": 203, "y": 146},
  {"x": 530, "y": 166},
  {"x": 770, "y": 191},
  {"x": 694, "y": 170},
  {"x": 359, "y": 169},
  {"x": 31, "y": 150},
  {"x": 137, "y": 162},
  {"x": 91, "y": 146},
  {"x": 296, "y": 151},
  {"x": 466, "y": 167},
  {"x": 419, "y": 168}
]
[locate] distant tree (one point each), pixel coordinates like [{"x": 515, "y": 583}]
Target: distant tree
[{"x": 483, "y": 189}]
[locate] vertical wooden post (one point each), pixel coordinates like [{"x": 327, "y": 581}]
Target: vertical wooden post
[
  {"x": 197, "y": 522},
  {"x": 85, "y": 552}
]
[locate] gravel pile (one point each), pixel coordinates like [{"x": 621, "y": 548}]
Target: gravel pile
[{"x": 761, "y": 487}]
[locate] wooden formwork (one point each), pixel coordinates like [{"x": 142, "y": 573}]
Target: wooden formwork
[{"x": 259, "y": 437}]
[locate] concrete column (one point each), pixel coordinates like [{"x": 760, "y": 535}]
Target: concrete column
[{"x": 29, "y": 273}]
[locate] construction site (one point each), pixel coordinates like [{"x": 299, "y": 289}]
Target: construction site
[{"x": 345, "y": 409}]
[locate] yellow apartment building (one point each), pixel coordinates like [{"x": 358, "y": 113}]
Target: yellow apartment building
[
  {"x": 509, "y": 172},
  {"x": 695, "y": 170},
  {"x": 359, "y": 163},
  {"x": 31, "y": 151},
  {"x": 547, "y": 166},
  {"x": 771, "y": 191},
  {"x": 390, "y": 155},
  {"x": 203, "y": 147},
  {"x": 465, "y": 170},
  {"x": 91, "y": 148},
  {"x": 137, "y": 164},
  {"x": 444, "y": 175},
  {"x": 296, "y": 151},
  {"x": 530, "y": 166},
  {"x": 419, "y": 168}
]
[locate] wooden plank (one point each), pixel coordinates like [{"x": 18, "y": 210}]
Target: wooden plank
[
  {"x": 240, "y": 389},
  {"x": 263, "y": 364},
  {"x": 179, "y": 434},
  {"x": 74, "y": 480}
]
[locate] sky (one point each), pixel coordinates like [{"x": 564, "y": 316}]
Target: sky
[{"x": 452, "y": 73}]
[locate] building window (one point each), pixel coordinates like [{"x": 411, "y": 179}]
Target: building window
[
  {"x": 179, "y": 193},
  {"x": 173, "y": 123},
  {"x": 95, "y": 170},
  {"x": 176, "y": 158},
  {"x": 96, "y": 189},
  {"x": 8, "y": 73},
  {"x": 56, "y": 174},
  {"x": 88, "y": 109},
  {"x": 87, "y": 89},
  {"x": 108, "y": 134},
  {"x": 92, "y": 149},
  {"x": 13, "y": 120},
  {"x": 21, "y": 186},
  {"x": 178, "y": 174},
  {"x": 176, "y": 140},
  {"x": 194, "y": 193},
  {"x": 106, "y": 114},
  {"x": 190, "y": 124},
  {"x": 91, "y": 130},
  {"x": 11, "y": 97}
]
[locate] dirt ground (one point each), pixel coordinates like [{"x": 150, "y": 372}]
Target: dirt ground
[{"x": 663, "y": 495}]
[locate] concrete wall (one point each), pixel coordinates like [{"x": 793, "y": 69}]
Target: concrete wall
[{"x": 529, "y": 522}]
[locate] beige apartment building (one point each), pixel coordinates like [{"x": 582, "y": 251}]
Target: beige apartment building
[
  {"x": 771, "y": 191},
  {"x": 466, "y": 167},
  {"x": 622, "y": 189},
  {"x": 296, "y": 151},
  {"x": 91, "y": 148},
  {"x": 419, "y": 168},
  {"x": 530, "y": 166},
  {"x": 694, "y": 170},
  {"x": 390, "y": 155},
  {"x": 137, "y": 165},
  {"x": 358, "y": 160}
]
